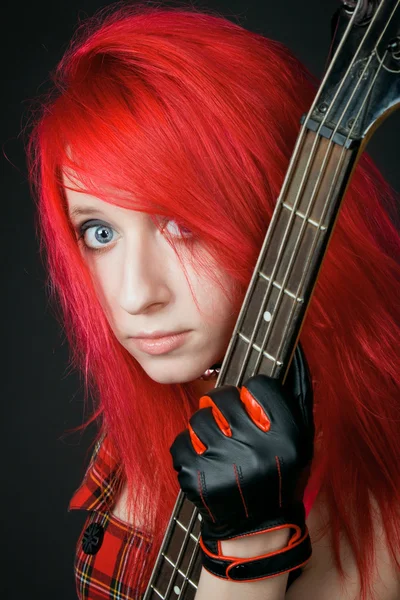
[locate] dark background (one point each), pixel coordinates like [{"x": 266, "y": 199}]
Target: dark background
[{"x": 42, "y": 463}]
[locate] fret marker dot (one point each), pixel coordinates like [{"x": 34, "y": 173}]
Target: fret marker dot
[
  {"x": 177, "y": 590},
  {"x": 199, "y": 517},
  {"x": 267, "y": 316}
]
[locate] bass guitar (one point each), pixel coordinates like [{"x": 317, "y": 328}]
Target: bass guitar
[{"x": 361, "y": 87}]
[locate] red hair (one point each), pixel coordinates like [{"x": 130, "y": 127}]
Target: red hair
[{"x": 188, "y": 114}]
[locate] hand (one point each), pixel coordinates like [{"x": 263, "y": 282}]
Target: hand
[{"x": 244, "y": 462}]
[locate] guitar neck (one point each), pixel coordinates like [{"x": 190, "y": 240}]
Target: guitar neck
[
  {"x": 270, "y": 320},
  {"x": 360, "y": 88},
  {"x": 281, "y": 288}
]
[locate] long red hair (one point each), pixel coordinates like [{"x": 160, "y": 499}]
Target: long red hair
[{"x": 190, "y": 115}]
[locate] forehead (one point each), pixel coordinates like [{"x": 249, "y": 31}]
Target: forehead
[
  {"x": 80, "y": 201},
  {"x": 85, "y": 192}
]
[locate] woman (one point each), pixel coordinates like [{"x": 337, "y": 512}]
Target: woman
[{"x": 157, "y": 162}]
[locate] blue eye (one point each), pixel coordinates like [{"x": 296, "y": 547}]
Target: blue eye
[{"x": 102, "y": 233}]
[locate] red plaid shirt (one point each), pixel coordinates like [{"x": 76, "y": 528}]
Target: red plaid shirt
[{"x": 108, "y": 547}]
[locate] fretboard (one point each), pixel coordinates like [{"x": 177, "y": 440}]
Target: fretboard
[{"x": 270, "y": 320}]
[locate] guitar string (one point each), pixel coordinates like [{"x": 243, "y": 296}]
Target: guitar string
[
  {"x": 178, "y": 504},
  {"x": 330, "y": 142},
  {"x": 314, "y": 194},
  {"x": 291, "y": 218},
  {"x": 271, "y": 279},
  {"x": 182, "y": 589},
  {"x": 191, "y": 565},
  {"x": 188, "y": 530},
  {"x": 337, "y": 173},
  {"x": 316, "y": 236},
  {"x": 175, "y": 564},
  {"x": 332, "y": 188},
  {"x": 285, "y": 185},
  {"x": 348, "y": 137},
  {"x": 342, "y": 154},
  {"x": 276, "y": 213}
]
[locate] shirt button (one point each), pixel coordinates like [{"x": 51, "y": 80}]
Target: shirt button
[{"x": 92, "y": 538}]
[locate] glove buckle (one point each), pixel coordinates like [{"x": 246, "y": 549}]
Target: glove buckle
[{"x": 295, "y": 554}]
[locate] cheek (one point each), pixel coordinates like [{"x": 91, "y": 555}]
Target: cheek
[
  {"x": 104, "y": 278},
  {"x": 213, "y": 290},
  {"x": 216, "y": 306}
]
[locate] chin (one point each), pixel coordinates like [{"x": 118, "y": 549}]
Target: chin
[
  {"x": 169, "y": 375},
  {"x": 170, "y": 379}
]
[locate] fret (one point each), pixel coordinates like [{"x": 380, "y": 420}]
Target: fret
[
  {"x": 179, "y": 571},
  {"x": 184, "y": 512},
  {"x": 196, "y": 539},
  {"x": 279, "y": 287},
  {"x": 300, "y": 214},
  {"x": 180, "y": 524},
  {"x": 182, "y": 589},
  {"x": 274, "y": 309},
  {"x": 288, "y": 264},
  {"x": 267, "y": 327},
  {"x": 259, "y": 350},
  {"x": 179, "y": 559},
  {"x": 179, "y": 578},
  {"x": 268, "y": 324},
  {"x": 165, "y": 576},
  {"x": 279, "y": 293}
]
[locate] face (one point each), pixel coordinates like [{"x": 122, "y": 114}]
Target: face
[{"x": 143, "y": 289}]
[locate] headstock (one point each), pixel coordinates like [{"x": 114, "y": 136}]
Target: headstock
[{"x": 362, "y": 84}]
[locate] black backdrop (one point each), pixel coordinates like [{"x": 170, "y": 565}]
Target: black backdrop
[{"x": 42, "y": 466}]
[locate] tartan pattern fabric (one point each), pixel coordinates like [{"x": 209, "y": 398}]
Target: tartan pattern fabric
[
  {"x": 108, "y": 548},
  {"x": 97, "y": 490}
]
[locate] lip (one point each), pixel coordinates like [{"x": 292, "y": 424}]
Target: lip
[
  {"x": 160, "y": 345},
  {"x": 155, "y": 334}
]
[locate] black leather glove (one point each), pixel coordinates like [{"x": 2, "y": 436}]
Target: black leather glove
[{"x": 244, "y": 462}]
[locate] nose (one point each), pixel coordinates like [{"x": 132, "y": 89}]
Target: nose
[{"x": 143, "y": 277}]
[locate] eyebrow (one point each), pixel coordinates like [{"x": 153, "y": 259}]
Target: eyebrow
[{"x": 84, "y": 210}]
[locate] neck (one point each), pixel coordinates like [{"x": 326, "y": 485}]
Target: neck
[{"x": 201, "y": 386}]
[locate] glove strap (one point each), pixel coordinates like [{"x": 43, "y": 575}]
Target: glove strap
[{"x": 295, "y": 554}]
